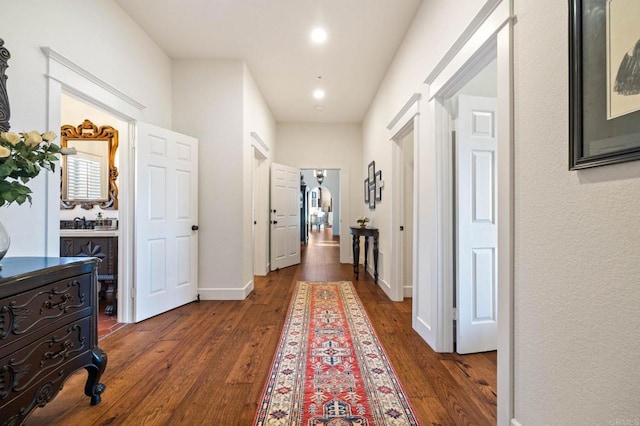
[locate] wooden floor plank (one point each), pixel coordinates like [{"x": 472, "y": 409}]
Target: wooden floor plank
[{"x": 207, "y": 362}]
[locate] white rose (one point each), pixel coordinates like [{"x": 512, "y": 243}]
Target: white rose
[
  {"x": 32, "y": 138},
  {"x": 4, "y": 152},
  {"x": 49, "y": 136},
  {"x": 12, "y": 138}
]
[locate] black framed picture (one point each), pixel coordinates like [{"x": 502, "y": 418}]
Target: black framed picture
[
  {"x": 366, "y": 190},
  {"x": 378, "y": 189},
  {"x": 372, "y": 172},
  {"x": 372, "y": 196},
  {"x": 604, "y": 82}
]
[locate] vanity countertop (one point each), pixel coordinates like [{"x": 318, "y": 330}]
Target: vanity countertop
[{"x": 88, "y": 233}]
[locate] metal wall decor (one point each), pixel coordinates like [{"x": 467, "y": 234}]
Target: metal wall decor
[
  {"x": 373, "y": 186},
  {"x": 4, "y": 97}
]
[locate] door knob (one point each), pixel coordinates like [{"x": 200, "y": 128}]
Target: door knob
[
  {"x": 275, "y": 221},
  {"x": 194, "y": 227}
]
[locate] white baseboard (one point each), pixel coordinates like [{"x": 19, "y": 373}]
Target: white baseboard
[
  {"x": 407, "y": 292},
  {"x": 229, "y": 293}
]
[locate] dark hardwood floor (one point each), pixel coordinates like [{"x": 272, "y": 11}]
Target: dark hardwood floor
[{"x": 206, "y": 363}]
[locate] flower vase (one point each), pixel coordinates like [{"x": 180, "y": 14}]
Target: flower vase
[{"x": 5, "y": 241}]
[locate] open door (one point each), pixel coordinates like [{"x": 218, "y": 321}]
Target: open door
[
  {"x": 166, "y": 220},
  {"x": 285, "y": 216},
  {"x": 477, "y": 227}
]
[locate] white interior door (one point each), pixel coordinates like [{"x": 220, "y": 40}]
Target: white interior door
[
  {"x": 285, "y": 216},
  {"x": 476, "y": 225},
  {"x": 166, "y": 209}
]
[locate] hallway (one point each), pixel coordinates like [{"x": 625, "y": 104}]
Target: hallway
[{"x": 206, "y": 363}]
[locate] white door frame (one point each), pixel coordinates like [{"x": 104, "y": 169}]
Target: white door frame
[
  {"x": 260, "y": 200},
  {"x": 405, "y": 121},
  {"x": 490, "y": 32},
  {"x": 65, "y": 75}
]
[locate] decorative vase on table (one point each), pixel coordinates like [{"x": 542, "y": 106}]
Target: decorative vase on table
[{"x": 5, "y": 242}]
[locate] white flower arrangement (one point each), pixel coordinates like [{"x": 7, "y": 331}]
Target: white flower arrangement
[
  {"x": 362, "y": 220},
  {"x": 22, "y": 156}
]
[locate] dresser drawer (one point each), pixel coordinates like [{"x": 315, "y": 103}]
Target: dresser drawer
[
  {"x": 52, "y": 353},
  {"x": 37, "y": 311}
]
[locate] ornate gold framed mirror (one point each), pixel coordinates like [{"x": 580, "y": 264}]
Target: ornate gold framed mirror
[{"x": 88, "y": 170}]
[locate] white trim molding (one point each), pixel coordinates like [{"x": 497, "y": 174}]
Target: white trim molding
[
  {"x": 473, "y": 27},
  {"x": 261, "y": 144},
  {"x": 81, "y": 82},
  {"x": 482, "y": 37},
  {"x": 410, "y": 106},
  {"x": 230, "y": 293}
]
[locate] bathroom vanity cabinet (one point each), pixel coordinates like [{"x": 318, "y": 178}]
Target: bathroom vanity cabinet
[{"x": 100, "y": 244}]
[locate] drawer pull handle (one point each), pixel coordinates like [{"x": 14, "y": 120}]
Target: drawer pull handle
[
  {"x": 64, "y": 299},
  {"x": 68, "y": 344}
]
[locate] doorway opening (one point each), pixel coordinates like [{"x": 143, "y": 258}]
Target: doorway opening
[{"x": 473, "y": 118}]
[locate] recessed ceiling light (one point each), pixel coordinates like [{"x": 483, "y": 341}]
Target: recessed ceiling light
[
  {"x": 318, "y": 94},
  {"x": 319, "y": 35}
]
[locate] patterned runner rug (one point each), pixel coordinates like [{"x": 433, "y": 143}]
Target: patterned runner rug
[{"x": 330, "y": 368}]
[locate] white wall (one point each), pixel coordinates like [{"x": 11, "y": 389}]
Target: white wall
[
  {"x": 577, "y": 274},
  {"x": 331, "y": 146},
  {"x": 99, "y": 37},
  {"x": 218, "y": 102},
  {"x": 208, "y": 105}
]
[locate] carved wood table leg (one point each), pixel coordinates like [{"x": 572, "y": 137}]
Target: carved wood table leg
[
  {"x": 93, "y": 388},
  {"x": 356, "y": 254}
]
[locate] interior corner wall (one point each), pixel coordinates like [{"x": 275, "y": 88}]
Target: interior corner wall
[
  {"x": 577, "y": 239},
  {"x": 208, "y": 104},
  {"x": 118, "y": 52},
  {"x": 322, "y": 145},
  {"x": 434, "y": 30}
]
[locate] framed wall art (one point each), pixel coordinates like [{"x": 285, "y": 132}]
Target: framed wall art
[
  {"x": 604, "y": 82},
  {"x": 379, "y": 185},
  {"x": 372, "y": 197},
  {"x": 372, "y": 172},
  {"x": 366, "y": 190}
]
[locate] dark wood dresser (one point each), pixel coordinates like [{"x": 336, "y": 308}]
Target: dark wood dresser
[{"x": 48, "y": 330}]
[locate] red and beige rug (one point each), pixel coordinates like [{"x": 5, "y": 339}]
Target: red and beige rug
[{"x": 330, "y": 368}]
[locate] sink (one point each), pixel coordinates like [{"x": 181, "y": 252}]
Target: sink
[{"x": 88, "y": 232}]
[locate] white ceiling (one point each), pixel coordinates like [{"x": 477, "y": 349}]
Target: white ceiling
[{"x": 272, "y": 36}]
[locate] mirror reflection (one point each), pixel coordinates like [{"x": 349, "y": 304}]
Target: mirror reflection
[{"x": 88, "y": 174}]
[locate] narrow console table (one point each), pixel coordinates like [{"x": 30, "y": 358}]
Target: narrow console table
[
  {"x": 48, "y": 330},
  {"x": 357, "y": 232}
]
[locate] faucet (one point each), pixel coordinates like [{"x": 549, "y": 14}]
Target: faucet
[{"x": 82, "y": 220}]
